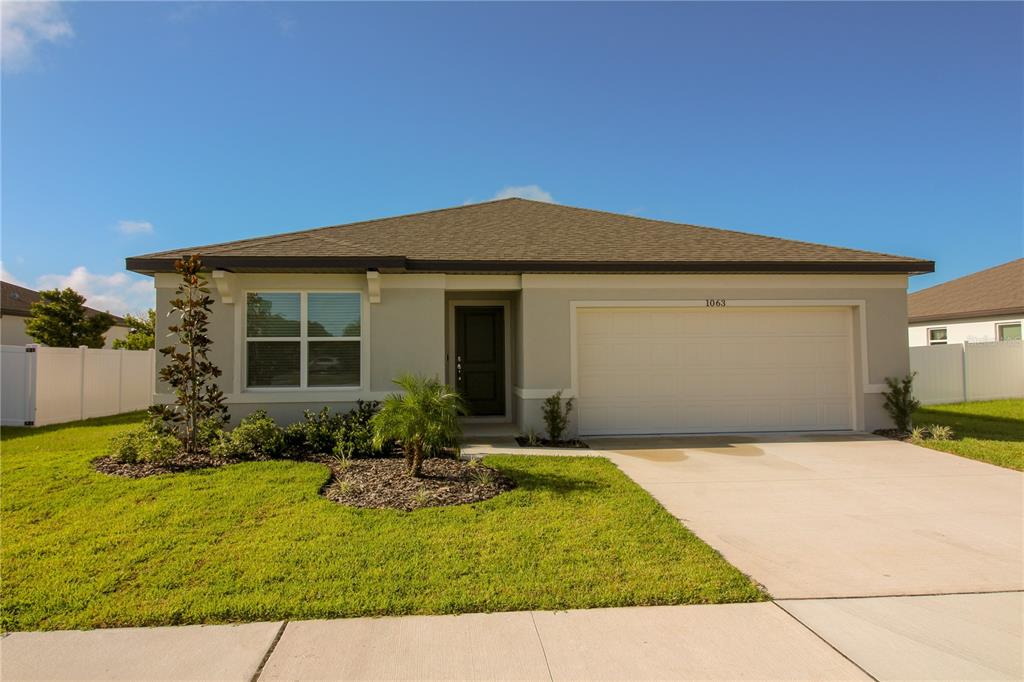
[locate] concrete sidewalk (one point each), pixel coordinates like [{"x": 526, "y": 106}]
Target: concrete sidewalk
[
  {"x": 729, "y": 641},
  {"x": 973, "y": 636}
]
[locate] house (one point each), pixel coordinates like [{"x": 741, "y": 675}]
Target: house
[
  {"x": 651, "y": 326},
  {"x": 984, "y": 306},
  {"x": 15, "y": 304}
]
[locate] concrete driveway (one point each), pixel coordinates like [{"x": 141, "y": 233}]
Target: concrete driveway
[{"x": 811, "y": 516}]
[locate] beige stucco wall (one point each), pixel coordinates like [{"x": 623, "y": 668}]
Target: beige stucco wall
[
  {"x": 407, "y": 330},
  {"x": 402, "y": 333},
  {"x": 12, "y": 332},
  {"x": 546, "y": 327}
]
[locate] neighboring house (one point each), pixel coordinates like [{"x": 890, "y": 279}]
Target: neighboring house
[
  {"x": 651, "y": 326},
  {"x": 985, "y": 306},
  {"x": 15, "y": 302}
]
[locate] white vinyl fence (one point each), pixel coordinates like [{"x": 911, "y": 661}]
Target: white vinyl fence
[
  {"x": 43, "y": 385},
  {"x": 971, "y": 371}
]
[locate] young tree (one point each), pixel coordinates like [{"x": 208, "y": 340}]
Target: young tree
[
  {"x": 424, "y": 419},
  {"x": 197, "y": 398},
  {"x": 141, "y": 334},
  {"x": 59, "y": 319}
]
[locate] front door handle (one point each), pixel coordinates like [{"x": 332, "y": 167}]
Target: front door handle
[{"x": 458, "y": 370}]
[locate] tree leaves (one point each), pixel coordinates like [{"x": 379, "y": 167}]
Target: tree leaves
[{"x": 60, "y": 320}]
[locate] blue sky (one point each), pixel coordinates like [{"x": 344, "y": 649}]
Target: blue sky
[{"x": 134, "y": 127}]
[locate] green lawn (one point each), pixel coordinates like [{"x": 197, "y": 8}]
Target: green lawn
[
  {"x": 256, "y": 541},
  {"x": 990, "y": 431}
]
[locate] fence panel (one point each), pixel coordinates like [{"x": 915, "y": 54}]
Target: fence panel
[
  {"x": 102, "y": 382},
  {"x": 58, "y": 385},
  {"x": 15, "y": 404},
  {"x": 940, "y": 375},
  {"x": 135, "y": 393},
  {"x": 973, "y": 371},
  {"x": 995, "y": 370},
  {"x": 55, "y": 385}
]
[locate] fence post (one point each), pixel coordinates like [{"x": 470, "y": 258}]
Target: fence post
[
  {"x": 963, "y": 368},
  {"x": 81, "y": 388},
  {"x": 31, "y": 358}
]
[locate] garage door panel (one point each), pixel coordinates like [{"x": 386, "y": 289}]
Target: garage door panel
[{"x": 677, "y": 370}]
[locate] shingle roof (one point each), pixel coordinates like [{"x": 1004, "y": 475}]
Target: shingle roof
[
  {"x": 517, "y": 235},
  {"x": 996, "y": 291},
  {"x": 17, "y": 300}
]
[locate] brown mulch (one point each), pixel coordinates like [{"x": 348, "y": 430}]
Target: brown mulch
[
  {"x": 895, "y": 434},
  {"x": 524, "y": 442},
  {"x": 110, "y": 466},
  {"x": 383, "y": 483}
]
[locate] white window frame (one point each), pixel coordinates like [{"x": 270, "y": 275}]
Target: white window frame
[
  {"x": 304, "y": 340},
  {"x": 1010, "y": 323},
  {"x": 928, "y": 336}
]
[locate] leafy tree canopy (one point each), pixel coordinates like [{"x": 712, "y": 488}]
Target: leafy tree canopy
[
  {"x": 60, "y": 319},
  {"x": 141, "y": 334}
]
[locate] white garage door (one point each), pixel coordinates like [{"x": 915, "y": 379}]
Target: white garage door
[{"x": 699, "y": 370}]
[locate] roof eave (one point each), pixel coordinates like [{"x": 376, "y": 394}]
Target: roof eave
[{"x": 149, "y": 266}]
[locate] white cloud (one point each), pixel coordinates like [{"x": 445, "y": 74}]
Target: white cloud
[
  {"x": 533, "y": 192},
  {"x": 23, "y": 25},
  {"x": 135, "y": 227},
  {"x": 287, "y": 26},
  {"x": 119, "y": 293},
  {"x": 7, "y": 276}
]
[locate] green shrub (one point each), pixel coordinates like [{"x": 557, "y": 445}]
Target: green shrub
[
  {"x": 314, "y": 435},
  {"x": 256, "y": 437},
  {"x": 900, "y": 402},
  {"x": 354, "y": 438},
  {"x": 424, "y": 419},
  {"x": 940, "y": 432},
  {"x": 556, "y": 417},
  {"x": 144, "y": 445},
  {"x": 209, "y": 431},
  {"x": 126, "y": 446},
  {"x": 918, "y": 434}
]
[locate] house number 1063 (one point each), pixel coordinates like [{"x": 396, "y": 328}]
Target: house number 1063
[{"x": 714, "y": 302}]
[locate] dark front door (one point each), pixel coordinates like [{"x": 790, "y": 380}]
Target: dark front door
[{"x": 480, "y": 358}]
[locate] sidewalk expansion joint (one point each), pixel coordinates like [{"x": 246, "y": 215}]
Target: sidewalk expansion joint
[
  {"x": 270, "y": 650},
  {"x": 896, "y": 596},
  {"x": 827, "y": 643},
  {"x": 542, "y": 649}
]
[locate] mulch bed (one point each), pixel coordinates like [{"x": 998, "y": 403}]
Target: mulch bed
[
  {"x": 895, "y": 434},
  {"x": 383, "y": 483},
  {"x": 524, "y": 442},
  {"x": 110, "y": 466}
]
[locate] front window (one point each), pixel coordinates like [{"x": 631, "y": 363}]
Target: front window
[
  {"x": 299, "y": 340},
  {"x": 1008, "y": 332},
  {"x": 937, "y": 336}
]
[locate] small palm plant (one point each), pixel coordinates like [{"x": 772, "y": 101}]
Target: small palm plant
[{"x": 424, "y": 419}]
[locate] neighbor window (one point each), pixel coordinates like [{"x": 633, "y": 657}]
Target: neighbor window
[
  {"x": 299, "y": 340},
  {"x": 1008, "y": 332},
  {"x": 937, "y": 336}
]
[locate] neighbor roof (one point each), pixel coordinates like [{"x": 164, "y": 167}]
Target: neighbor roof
[
  {"x": 17, "y": 301},
  {"x": 517, "y": 235},
  {"x": 992, "y": 292}
]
